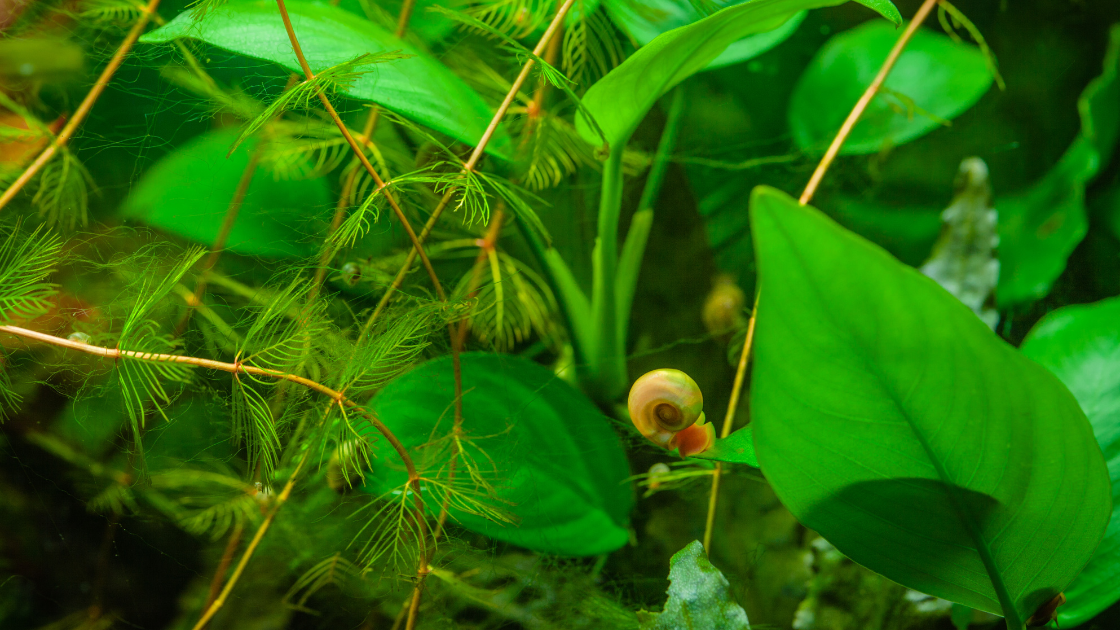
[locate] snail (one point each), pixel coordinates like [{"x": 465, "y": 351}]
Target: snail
[
  {"x": 79, "y": 337},
  {"x": 1047, "y": 612},
  {"x": 667, "y": 408},
  {"x": 723, "y": 308},
  {"x": 351, "y": 273}
]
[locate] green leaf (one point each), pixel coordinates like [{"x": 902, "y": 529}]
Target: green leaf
[
  {"x": 188, "y": 192},
  {"x": 736, "y": 448},
  {"x": 935, "y": 80},
  {"x": 647, "y": 20},
  {"x": 420, "y": 88},
  {"x": 1040, "y": 227},
  {"x": 563, "y": 469},
  {"x": 621, "y": 99},
  {"x": 699, "y": 596},
  {"x": 1081, "y": 345},
  {"x": 891, "y": 420}
]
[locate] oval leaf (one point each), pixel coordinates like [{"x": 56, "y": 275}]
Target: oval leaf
[
  {"x": 647, "y": 20},
  {"x": 188, "y": 192},
  {"x": 736, "y": 448},
  {"x": 890, "y": 419},
  {"x": 621, "y": 99},
  {"x": 418, "y": 88},
  {"x": 563, "y": 467},
  {"x": 1081, "y": 345},
  {"x": 934, "y": 81}
]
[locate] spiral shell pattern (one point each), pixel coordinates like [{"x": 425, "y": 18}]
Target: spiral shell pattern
[{"x": 666, "y": 406}]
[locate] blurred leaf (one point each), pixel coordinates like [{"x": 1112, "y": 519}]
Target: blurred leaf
[
  {"x": 1081, "y": 345},
  {"x": 935, "y": 80},
  {"x": 621, "y": 99},
  {"x": 699, "y": 596},
  {"x": 890, "y": 419},
  {"x": 646, "y": 20},
  {"x": 429, "y": 26},
  {"x": 1040, "y": 226},
  {"x": 561, "y": 468},
  {"x": 187, "y": 193},
  {"x": 907, "y": 233},
  {"x": 419, "y": 88}
]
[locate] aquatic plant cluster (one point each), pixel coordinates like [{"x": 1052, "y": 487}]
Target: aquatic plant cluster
[{"x": 502, "y": 314}]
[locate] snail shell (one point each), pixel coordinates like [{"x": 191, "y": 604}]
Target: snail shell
[
  {"x": 723, "y": 308},
  {"x": 663, "y": 403}
]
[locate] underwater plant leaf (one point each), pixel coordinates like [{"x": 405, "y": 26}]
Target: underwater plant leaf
[
  {"x": 1040, "y": 226},
  {"x": 890, "y": 419},
  {"x": 621, "y": 99},
  {"x": 699, "y": 596},
  {"x": 418, "y": 88},
  {"x": 562, "y": 468},
  {"x": 646, "y": 20},
  {"x": 1081, "y": 345},
  {"x": 26, "y": 260},
  {"x": 188, "y": 192},
  {"x": 934, "y": 81},
  {"x": 736, "y": 448}
]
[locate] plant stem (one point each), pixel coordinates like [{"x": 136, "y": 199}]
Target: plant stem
[
  {"x": 220, "y": 240},
  {"x": 806, "y": 196},
  {"x": 308, "y": 75},
  {"x": 474, "y": 158},
  {"x": 403, "y": 17},
  {"x": 865, "y": 100},
  {"x": 223, "y": 565},
  {"x": 728, "y": 421},
  {"x": 84, "y": 108}
]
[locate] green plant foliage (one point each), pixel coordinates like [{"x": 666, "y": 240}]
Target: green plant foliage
[
  {"x": 550, "y": 457},
  {"x": 621, "y": 99},
  {"x": 934, "y": 81},
  {"x": 699, "y": 596},
  {"x": 1081, "y": 345},
  {"x": 891, "y": 420},
  {"x": 1039, "y": 227},
  {"x": 736, "y": 448},
  {"x": 645, "y": 21},
  {"x": 418, "y": 88},
  {"x": 188, "y": 193}
]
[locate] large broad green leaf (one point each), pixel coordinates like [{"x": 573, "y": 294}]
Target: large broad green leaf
[
  {"x": 562, "y": 469},
  {"x": 1081, "y": 344},
  {"x": 890, "y": 419},
  {"x": 187, "y": 193},
  {"x": 1040, "y": 226},
  {"x": 935, "y": 74},
  {"x": 418, "y": 88},
  {"x": 646, "y": 20},
  {"x": 621, "y": 99},
  {"x": 699, "y": 596}
]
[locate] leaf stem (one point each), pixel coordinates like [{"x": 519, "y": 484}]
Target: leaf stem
[
  {"x": 861, "y": 105},
  {"x": 84, "y": 107},
  {"x": 358, "y": 152},
  {"x": 474, "y": 158}
]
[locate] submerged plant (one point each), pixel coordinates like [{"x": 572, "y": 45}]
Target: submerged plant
[{"x": 324, "y": 313}]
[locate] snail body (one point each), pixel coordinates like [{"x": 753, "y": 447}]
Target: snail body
[{"x": 667, "y": 407}]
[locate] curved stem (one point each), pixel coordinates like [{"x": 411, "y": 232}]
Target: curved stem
[
  {"x": 308, "y": 74},
  {"x": 861, "y": 105},
  {"x": 84, "y": 108}
]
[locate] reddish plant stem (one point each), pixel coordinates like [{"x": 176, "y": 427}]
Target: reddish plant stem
[
  {"x": 806, "y": 196},
  {"x": 84, "y": 107},
  {"x": 223, "y": 565},
  {"x": 474, "y": 158},
  {"x": 308, "y": 74}
]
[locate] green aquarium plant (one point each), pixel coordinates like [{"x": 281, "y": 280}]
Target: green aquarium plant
[{"x": 366, "y": 313}]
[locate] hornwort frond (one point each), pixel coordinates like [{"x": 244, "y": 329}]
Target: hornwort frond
[
  {"x": 116, "y": 499},
  {"x": 592, "y": 48},
  {"x": 337, "y": 78},
  {"x": 25, "y": 263},
  {"x": 514, "y": 18},
  {"x": 470, "y": 485},
  {"x": 62, "y": 193},
  {"x": 391, "y": 535},
  {"x": 555, "y": 151},
  {"x": 334, "y": 570},
  {"x": 513, "y": 301},
  {"x": 109, "y": 13},
  {"x": 204, "y": 502},
  {"x": 303, "y": 151},
  {"x": 235, "y": 102}
]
